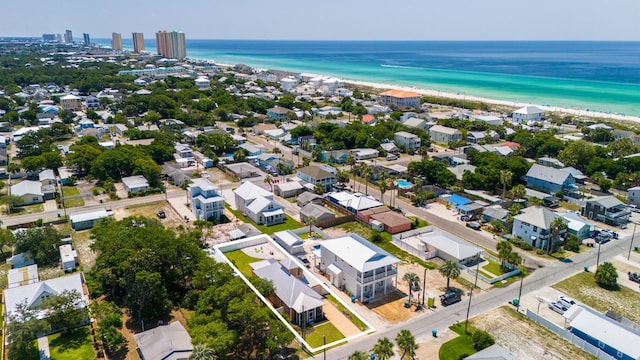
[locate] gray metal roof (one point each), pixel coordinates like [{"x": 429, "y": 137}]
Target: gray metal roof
[{"x": 552, "y": 175}]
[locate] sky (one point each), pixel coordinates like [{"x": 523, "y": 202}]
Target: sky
[{"x": 330, "y": 19}]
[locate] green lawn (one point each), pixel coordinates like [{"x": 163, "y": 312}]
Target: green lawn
[
  {"x": 242, "y": 261},
  {"x": 582, "y": 287},
  {"x": 354, "y": 319},
  {"x": 75, "y": 346},
  {"x": 314, "y": 339},
  {"x": 288, "y": 224},
  {"x": 569, "y": 206},
  {"x": 72, "y": 191},
  {"x": 493, "y": 267},
  {"x": 27, "y": 209},
  {"x": 421, "y": 223},
  {"x": 457, "y": 347}
]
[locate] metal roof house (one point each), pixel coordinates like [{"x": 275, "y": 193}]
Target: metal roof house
[
  {"x": 450, "y": 247},
  {"x": 85, "y": 220},
  {"x": 610, "y": 336},
  {"x": 135, "y": 183},
  {"x": 355, "y": 264},
  {"x": 548, "y": 179},
  {"x": 607, "y": 209},
  {"x": 294, "y": 292},
  {"x": 168, "y": 342},
  {"x": 29, "y": 191},
  {"x": 289, "y": 241},
  {"x": 533, "y": 226}
]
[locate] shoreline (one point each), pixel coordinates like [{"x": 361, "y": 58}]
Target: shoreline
[{"x": 464, "y": 97}]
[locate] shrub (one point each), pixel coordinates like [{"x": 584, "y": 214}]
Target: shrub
[
  {"x": 376, "y": 237},
  {"x": 482, "y": 340},
  {"x": 540, "y": 252},
  {"x": 572, "y": 243},
  {"x": 526, "y": 246}
]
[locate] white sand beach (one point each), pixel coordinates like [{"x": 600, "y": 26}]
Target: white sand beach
[{"x": 577, "y": 112}]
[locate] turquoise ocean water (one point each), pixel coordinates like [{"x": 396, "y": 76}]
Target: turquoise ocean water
[{"x": 599, "y": 76}]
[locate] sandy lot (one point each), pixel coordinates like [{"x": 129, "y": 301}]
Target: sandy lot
[
  {"x": 149, "y": 210},
  {"x": 524, "y": 338}
]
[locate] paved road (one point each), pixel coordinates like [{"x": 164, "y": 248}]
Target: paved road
[
  {"x": 21, "y": 219},
  {"x": 442, "y": 318}
]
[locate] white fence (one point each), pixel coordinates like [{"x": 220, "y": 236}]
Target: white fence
[{"x": 569, "y": 336}]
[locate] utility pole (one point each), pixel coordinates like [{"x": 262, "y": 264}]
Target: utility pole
[
  {"x": 598, "y": 258},
  {"x": 632, "y": 236},
  {"x": 521, "y": 281},
  {"x": 424, "y": 285},
  {"x": 466, "y": 322}
]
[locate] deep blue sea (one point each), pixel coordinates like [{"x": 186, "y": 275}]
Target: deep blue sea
[{"x": 600, "y": 76}]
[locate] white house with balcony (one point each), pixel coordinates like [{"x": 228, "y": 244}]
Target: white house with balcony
[
  {"x": 407, "y": 140},
  {"x": 206, "y": 202},
  {"x": 354, "y": 264},
  {"x": 533, "y": 225},
  {"x": 527, "y": 114},
  {"x": 258, "y": 204}
]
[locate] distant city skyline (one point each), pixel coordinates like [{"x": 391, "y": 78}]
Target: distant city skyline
[{"x": 333, "y": 20}]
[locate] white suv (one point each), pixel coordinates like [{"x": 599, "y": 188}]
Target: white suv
[{"x": 566, "y": 301}]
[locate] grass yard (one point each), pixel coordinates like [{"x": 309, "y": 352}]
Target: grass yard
[
  {"x": 386, "y": 244},
  {"x": 354, "y": 319},
  {"x": 288, "y": 224},
  {"x": 77, "y": 201},
  {"x": 27, "y": 209},
  {"x": 75, "y": 346},
  {"x": 458, "y": 347},
  {"x": 242, "y": 261},
  {"x": 314, "y": 339},
  {"x": 421, "y": 223},
  {"x": 493, "y": 267},
  {"x": 569, "y": 206},
  {"x": 583, "y": 288}
]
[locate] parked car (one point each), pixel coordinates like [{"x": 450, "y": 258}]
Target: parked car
[
  {"x": 391, "y": 157},
  {"x": 450, "y": 297},
  {"x": 635, "y": 277},
  {"x": 566, "y": 301},
  {"x": 557, "y": 307},
  {"x": 161, "y": 214},
  {"x": 474, "y": 225}
]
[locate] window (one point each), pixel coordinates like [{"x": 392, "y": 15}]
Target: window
[
  {"x": 620, "y": 354},
  {"x": 535, "y": 229},
  {"x": 601, "y": 344}
]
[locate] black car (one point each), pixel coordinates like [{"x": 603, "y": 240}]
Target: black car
[
  {"x": 161, "y": 214},
  {"x": 450, "y": 297},
  {"x": 474, "y": 225}
]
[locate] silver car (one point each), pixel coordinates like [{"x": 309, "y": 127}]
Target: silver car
[{"x": 557, "y": 307}]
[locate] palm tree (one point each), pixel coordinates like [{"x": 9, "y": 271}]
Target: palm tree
[
  {"x": 358, "y": 355},
  {"x": 557, "y": 225},
  {"x": 310, "y": 221},
  {"x": 351, "y": 161},
  {"x": 411, "y": 278},
  {"x": 450, "y": 270},
  {"x": 424, "y": 152},
  {"x": 366, "y": 174},
  {"x": 319, "y": 189},
  {"x": 607, "y": 275},
  {"x": 519, "y": 191},
  {"x": 383, "y": 349},
  {"x": 392, "y": 182},
  {"x": 406, "y": 344},
  {"x": 202, "y": 352},
  {"x": 382, "y": 184},
  {"x": 504, "y": 251},
  {"x": 505, "y": 178},
  {"x": 269, "y": 180},
  {"x": 514, "y": 259}
]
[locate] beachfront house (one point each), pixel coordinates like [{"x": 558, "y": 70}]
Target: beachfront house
[
  {"x": 407, "y": 140},
  {"x": 533, "y": 225},
  {"x": 444, "y": 135},
  {"x": 400, "y": 98},
  {"x": 527, "y": 114},
  {"x": 258, "y": 204},
  {"x": 206, "y": 202},
  {"x": 354, "y": 264}
]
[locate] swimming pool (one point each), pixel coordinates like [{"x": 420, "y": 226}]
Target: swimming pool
[{"x": 403, "y": 183}]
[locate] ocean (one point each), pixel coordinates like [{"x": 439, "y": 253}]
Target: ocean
[{"x": 599, "y": 76}]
